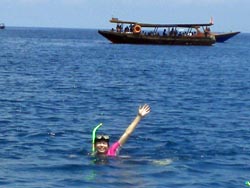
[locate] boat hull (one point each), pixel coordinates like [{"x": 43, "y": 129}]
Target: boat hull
[
  {"x": 222, "y": 37},
  {"x": 131, "y": 38}
]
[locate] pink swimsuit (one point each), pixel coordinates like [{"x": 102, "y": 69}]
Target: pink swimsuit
[{"x": 114, "y": 149}]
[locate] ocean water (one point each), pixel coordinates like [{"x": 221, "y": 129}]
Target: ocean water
[{"x": 58, "y": 84}]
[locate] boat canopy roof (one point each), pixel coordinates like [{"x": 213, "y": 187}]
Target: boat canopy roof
[{"x": 116, "y": 20}]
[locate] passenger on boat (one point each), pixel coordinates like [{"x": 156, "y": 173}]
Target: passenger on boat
[
  {"x": 126, "y": 29},
  {"x": 173, "y": 32},
  {"x": 207, "y": 31},
  {"x": 164, "y": 32},
  {"x": 131, "y": 27},
  {"x": 119, "y": 28}
]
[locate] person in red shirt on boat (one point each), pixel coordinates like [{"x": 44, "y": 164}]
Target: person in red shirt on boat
[{"x": 101, "y": 142}]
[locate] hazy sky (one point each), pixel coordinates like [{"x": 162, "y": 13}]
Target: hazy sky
[{"x": 228, "y": 15}]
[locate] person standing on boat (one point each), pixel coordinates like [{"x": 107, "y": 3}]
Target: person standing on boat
[
  {"x": 164, "y": 32},
  {"x": 101, "y": 142},
  {"x": 130, "y": 28}
]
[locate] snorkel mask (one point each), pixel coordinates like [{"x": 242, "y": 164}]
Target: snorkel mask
[{"x": 102, "y": 137}]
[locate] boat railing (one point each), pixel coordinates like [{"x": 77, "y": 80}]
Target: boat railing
[{"x": 172, "y": 32}]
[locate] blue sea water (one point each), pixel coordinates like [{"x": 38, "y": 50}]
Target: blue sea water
[{"x": 58, "y": 84}]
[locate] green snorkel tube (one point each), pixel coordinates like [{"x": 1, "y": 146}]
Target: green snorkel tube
[{"x": 93, "y": 136}]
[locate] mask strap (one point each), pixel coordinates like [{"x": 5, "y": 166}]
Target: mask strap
[{"x": 93, "y": 136}]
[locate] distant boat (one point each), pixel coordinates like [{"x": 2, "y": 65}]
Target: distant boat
[
  {"x": 222, "y": 37},
  {"x": 129, "y": 32},
  {"x": 2, "y": 26}
]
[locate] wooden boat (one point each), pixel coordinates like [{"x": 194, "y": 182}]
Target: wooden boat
[
  {"x": 128, "y": 32},
  {"x": 222, "y": 37},
  {"x": 2, "y": 26}
]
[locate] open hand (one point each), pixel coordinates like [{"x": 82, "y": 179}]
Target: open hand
[{"x": 144, "y": 110}]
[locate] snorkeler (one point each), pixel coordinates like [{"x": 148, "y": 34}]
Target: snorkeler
[{"x": 101, "y": 142}]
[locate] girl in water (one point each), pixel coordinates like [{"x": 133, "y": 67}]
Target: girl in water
[{"x": 101, "y": 145}]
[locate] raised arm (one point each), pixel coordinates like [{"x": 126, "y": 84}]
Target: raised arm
[{"x": 142, "y": 112}]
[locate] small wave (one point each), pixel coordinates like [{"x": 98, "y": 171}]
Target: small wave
[{"x": 162, "y": 162}]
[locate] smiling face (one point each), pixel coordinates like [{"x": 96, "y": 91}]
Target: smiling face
[{"x": 101, "y": 146}]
